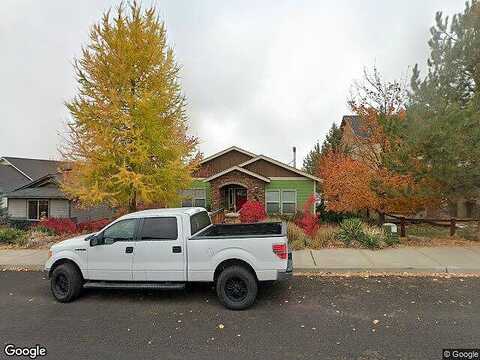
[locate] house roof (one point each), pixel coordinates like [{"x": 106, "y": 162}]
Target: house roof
[
  {"x": 278, "y": 163},
  {"x": 33, "y": 168},
  {"x": 37, "y": 193},
  {"x": 237, "y": 168},
  {"x": 35, "y": 190},
  {"x": 10, "y": 178},
  {"x": 231, "y": 148},
  {"x": 355, "y": 123}
]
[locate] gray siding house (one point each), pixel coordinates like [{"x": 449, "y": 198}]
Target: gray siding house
[{"x": 30, "y": 190}]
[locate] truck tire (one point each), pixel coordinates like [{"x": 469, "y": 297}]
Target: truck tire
[
  {"x": 66, "y": 283},
  {"x": 236, "y": 288}
]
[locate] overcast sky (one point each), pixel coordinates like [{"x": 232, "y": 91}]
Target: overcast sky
[{"x": 262, "y": 75}]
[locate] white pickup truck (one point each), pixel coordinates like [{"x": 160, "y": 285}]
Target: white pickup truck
[{"x": 165, "y": 249}]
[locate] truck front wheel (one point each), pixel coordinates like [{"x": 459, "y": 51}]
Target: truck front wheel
[
  {"x": 66, "y": 282},
  {"x": 236, "y": 288}
]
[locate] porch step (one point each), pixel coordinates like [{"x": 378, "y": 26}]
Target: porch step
[{"x": 133, "y": 285}]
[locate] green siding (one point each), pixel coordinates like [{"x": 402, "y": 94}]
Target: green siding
[
  {"x": 199, "y": 184},
  {"x": 304, "y": 189}
]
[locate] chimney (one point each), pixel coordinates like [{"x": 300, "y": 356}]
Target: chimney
[{"x": 294, "y": 157}]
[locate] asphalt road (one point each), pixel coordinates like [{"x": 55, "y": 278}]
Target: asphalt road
[{"x": 305, "y": 318}]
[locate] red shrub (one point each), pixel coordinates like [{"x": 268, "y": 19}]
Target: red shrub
[
  {"x": 252, "y": 211},
  {"x": 92, "y": 225},
  {"x": 58, "y": 226},
  {"x": 308, "y": 221}
]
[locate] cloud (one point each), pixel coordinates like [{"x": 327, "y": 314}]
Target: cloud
[{"x": 263, "y": 75}]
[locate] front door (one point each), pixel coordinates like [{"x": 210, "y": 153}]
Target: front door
[
  {"x": 112, "y": 259},
  {"x": 160, "y": 252}
]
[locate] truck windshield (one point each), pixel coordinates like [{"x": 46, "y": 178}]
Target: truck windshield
[{"x": 199, "y": 222}]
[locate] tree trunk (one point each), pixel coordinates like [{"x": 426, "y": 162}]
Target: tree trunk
[
  {"x": 132, "y": 205},
  {"x": 381, "y": 218}
]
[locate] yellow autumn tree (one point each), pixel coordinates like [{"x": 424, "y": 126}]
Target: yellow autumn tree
[{"x": 127, "y": 140}]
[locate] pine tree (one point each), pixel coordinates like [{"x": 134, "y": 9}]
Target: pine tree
[
  {"x": 127, "y": 139},
  {"x": 443, "y": 122}
]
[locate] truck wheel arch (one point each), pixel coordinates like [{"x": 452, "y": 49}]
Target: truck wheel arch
[
  {"x": 64, "y": 261},
  {"x": 231, "y": 262}
]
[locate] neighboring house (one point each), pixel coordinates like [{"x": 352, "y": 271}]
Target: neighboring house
[
  {"x": 230, "y": 177},
  {"x": 353, "y": 128},
  {"x": 31, "y": 189},
  {"x": 16, "y": 172}
]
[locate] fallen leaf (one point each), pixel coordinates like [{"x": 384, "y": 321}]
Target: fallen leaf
[
  {"x": 221, "y": 326},
  {"x": 375, "y": 322}
]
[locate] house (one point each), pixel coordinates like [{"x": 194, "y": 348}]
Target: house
[
  {"x": 30, "y": 189},
  {"x": 227, "y": 179},
  {"x": 354, "y": 132}
]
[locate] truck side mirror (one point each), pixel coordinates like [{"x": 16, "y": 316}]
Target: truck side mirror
[{"x": 96, "y": 240}]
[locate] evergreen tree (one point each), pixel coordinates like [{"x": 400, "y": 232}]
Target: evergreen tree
[
  {"x": 128, "y": 139},
  {"x": 443, "y": 120}
]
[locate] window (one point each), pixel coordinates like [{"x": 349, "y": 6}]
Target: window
[
  {"x": 37, "y": 209},
  {"x": 194, "y": 197},
  {"x": 163, "y": 228},
  {"x": 199, "y": 221},
  {"x": 273, "y": 201},
  {"x": 289, "y": 201},
  {"x": 121, "y": 231}
]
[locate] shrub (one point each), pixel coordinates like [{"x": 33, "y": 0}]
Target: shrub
[
  {"x": 252, "y": 212},
  {"x": 350, "y": 230},
  {"x": 296, "y": 237},
  {"x": 325, "y": 236},
  {"x": 308, "y": 221},
  {"x": 372, "y": 238},
  {"x": 92, "y": 225},
  {"x": 57, "y": 226},
  {"x": 11, "y": 235}
]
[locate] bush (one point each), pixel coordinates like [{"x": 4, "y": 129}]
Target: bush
[
  {"x": 297, "y": 239},
  {"x": 373, "y": 237},
  {"x": 350, "y": 231},
  {"x": 92, "y": 225},
  {"x": 11, "y": 235},
  {"x": 252, "y": 212},
  {"x": 308, "y": 222},
  {"x": 57, "y": 226},
  {"x": 325, "y": 236}
]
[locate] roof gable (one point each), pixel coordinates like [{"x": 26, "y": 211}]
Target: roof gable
[
  {"x": 280, "y": 164},
  {"x": 227, "y": 150},
  {"x": 34, "y": 168},
  {"x": 238, "y": 168}
]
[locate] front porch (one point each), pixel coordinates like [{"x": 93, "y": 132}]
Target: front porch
[{"x": 231, "y": 190}]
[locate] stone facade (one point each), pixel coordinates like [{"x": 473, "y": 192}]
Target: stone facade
[{"x": 255, "y": 187}]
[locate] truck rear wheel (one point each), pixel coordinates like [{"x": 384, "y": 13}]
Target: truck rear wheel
[
  {"x": 236, "y": 288},
  {"x": 66, "y": 282}
]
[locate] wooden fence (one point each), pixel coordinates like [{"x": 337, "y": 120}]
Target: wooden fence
[{"x": 450, "y": 223}]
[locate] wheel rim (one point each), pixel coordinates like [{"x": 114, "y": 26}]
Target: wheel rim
[
  {"x": 61, "y": 285},
  {"x": 236, "y": 289}
]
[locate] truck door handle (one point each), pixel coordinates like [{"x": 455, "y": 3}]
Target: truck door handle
[
  {"x": 129, "y": 249},
  {"x": 176, "y": 249}
]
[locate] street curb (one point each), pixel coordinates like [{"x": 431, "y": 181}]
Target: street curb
[
  {"x": 387, "y": 270},
  {"x": 19, "y": 267}
]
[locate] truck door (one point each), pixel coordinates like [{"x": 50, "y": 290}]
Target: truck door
[
  {"x": 112, "y": 258},
  {"x": 159, "y": 251}
]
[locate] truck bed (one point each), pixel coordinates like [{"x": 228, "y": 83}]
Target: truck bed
[{"x": 242, "y": 230}]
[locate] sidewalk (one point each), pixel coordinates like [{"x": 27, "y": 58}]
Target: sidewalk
[
  {"x": 412, "y": 259},
  {"x": 421, "y": 259}
]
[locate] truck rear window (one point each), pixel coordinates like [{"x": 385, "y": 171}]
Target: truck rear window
[{"x": 199, "y": 221}]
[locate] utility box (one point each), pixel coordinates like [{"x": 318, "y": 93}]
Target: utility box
[{"x": 391, "y": 229}]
